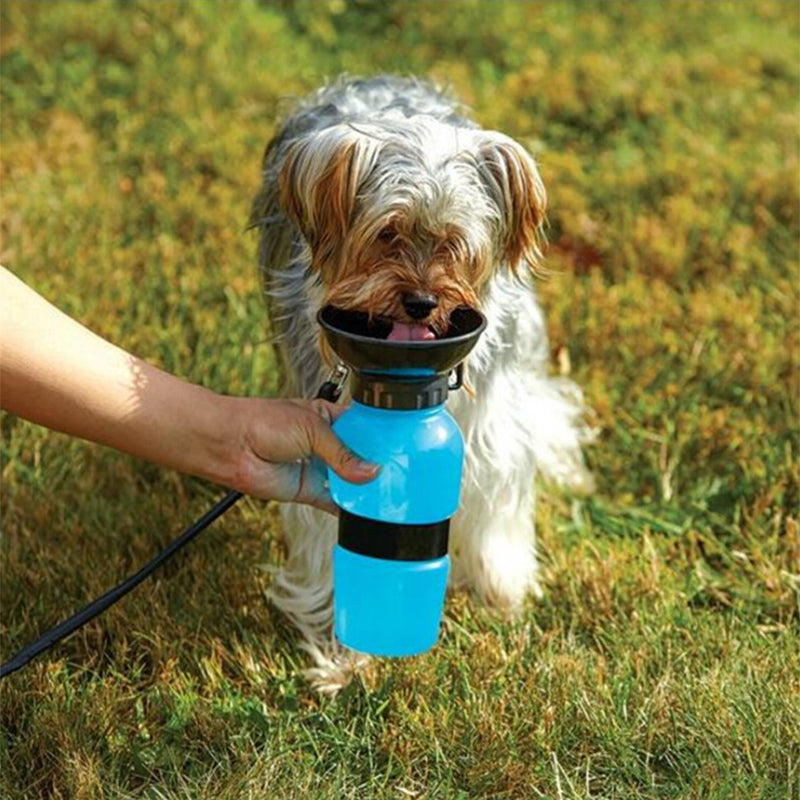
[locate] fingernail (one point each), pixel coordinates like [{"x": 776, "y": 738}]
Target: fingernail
[{"x": 368, "y": 469}]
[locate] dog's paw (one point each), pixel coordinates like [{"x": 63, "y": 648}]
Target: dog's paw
[
  {"x": 334, "y": 669},
  {"x": 502, "y": 576}
]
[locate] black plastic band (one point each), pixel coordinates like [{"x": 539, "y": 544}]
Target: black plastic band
[{"x": 393, "y": 540}]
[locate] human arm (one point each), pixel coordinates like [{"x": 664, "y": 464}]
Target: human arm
[{"x": 57, "y": 373}]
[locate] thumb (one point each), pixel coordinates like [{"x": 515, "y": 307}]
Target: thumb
[{"x": 340, "y": 458}]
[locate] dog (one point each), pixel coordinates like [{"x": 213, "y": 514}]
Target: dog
[{"x": 381, "y": 195}]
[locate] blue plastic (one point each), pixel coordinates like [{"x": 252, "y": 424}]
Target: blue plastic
[
  {"x": 421, "y": 454},
  {"x": 388, "y": 608},
  {"x": 393, "y": 607}
]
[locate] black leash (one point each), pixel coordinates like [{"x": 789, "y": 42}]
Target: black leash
[
  {"x": 330, "y": 390},
  {"x": 60, "y": 631}
]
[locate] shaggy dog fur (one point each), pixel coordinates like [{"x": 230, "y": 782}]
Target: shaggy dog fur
[{"x": 376, "y": 189}]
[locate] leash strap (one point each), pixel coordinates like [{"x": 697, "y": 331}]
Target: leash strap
[{"x": 330, "y": 390}]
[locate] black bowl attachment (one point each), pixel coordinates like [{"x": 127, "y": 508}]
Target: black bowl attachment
[
  {"x": 399, "y": 375},
  {"x": 355, "y": 339}
]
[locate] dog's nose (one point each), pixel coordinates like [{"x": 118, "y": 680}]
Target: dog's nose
[{"x": 419, "y": 305}]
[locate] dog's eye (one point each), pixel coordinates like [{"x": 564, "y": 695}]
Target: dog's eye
[{"x": 387, "y": 235}]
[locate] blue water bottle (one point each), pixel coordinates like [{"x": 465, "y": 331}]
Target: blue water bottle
[{"x": 390, "y": 565}]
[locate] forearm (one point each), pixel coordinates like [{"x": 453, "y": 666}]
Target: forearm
[{"x": 55, "y": 372}]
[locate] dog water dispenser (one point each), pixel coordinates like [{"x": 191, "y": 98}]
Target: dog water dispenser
[{"x": 390, "y": 565}]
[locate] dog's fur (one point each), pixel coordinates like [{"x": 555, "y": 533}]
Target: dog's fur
[{"x": 377, "y": 187}]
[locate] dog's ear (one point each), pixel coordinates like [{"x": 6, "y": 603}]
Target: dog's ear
[
  {"x": 319, "y": 184},
  {"x": 510, "y": 176}
]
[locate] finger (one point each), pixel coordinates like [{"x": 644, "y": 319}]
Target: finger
[
  {"x": 330, "y": 412},
  {"x": 314, "y": 486},
  {"x": 343, "y": 461},
  {"x": 300, "y": 482},
  {"x": 312, "y": 483},
  {"x": 326, "y": 505}
]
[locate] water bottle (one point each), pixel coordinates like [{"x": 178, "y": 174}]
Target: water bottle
[{"x": 390, "y": 564}]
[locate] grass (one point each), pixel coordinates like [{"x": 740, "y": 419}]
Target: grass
[{"x": 664, "y": 659}]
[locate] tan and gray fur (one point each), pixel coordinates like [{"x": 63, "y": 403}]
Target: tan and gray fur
[{"x": 376, "y": 188}]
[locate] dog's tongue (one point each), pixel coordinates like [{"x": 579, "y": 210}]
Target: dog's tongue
[{"x": 403, "y": 332}]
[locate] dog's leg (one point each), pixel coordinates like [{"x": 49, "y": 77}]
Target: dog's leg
[
  {"x": 493, "y": 547},
  {"x": 303, "y": 590},
  {"x": 493, "y": 543},
  {"x": 520, "y": 425}
]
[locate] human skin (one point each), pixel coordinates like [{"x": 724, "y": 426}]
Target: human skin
[{"x": 57, "y": 373}]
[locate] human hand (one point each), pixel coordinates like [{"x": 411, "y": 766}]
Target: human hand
[
  {"x": 57, "y": 373},
  {"x": 280, "y": 444}
]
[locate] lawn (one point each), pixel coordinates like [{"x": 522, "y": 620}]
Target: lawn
[{"x": 664, "y": 658}]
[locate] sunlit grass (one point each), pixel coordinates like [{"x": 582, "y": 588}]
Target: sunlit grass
[{"x": 664, "y": 658}]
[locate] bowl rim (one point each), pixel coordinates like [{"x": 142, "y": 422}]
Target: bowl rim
[{"x": 428, "y": 344}]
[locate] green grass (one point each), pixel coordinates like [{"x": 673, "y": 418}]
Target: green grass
[{"x": 664, "y": 659}]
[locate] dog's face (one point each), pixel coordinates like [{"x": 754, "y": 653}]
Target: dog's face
[{"x": 408, "y": 221}]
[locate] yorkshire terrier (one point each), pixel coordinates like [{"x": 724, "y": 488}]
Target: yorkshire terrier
[{"x": 383, "y": 196}]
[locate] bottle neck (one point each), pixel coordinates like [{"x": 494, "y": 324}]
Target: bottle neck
[{"x": 398, "y": 392}]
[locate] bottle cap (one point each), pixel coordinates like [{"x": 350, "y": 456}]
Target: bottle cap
[{"x": 398, "y": 392}]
